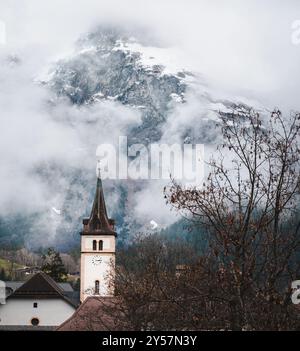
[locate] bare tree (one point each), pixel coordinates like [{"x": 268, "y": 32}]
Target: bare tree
[
  {"x": 150, "y": 294},
  {"x": 248, "y": 209},
  {"x": 249, "y": 206}
]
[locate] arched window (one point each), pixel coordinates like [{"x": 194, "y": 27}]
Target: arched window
[
  {"x": 97, "y": 287},
  {"x": 101, "y": 245},
  {"x": 94, "y": 245}
]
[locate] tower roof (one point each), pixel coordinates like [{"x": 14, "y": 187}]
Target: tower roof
[{"x": 98, "y": 220}]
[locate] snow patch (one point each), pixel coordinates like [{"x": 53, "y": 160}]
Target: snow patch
[{"x": 159, "y": 60}]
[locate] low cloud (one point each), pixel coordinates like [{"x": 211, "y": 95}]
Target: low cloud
[{"x": 240, "y": 50}]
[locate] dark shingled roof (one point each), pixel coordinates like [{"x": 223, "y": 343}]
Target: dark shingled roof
[
  {"x": 41, "y": 286},
  {"x": 14, "y": 285}
]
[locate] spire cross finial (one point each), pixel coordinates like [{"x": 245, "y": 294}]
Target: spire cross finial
[{"x": 99, "y": 169}]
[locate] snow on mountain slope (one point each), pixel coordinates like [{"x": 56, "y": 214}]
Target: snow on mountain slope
[{"x": 116, "y": 83}]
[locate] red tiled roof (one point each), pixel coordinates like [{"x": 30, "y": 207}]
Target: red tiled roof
[{"x": 96, "y": 314}]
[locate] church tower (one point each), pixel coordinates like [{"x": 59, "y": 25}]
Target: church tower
[{"x": 98, "y": 242}]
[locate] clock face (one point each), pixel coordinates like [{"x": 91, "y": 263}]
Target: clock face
[{"x": 96, "y": 260}]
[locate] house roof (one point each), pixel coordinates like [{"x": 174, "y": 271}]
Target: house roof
[
  {"x": 97, "y": 314},
  {"x": 66, "y": 287},
  {"x": 13, "y": 284},
  {"x": 41, "y": 286}
]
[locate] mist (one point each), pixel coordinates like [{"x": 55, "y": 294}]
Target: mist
[
  {"x": 241, "y": 50},
  {"x": 242, "y": 47}
]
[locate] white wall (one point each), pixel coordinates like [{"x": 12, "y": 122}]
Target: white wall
[
  {"x": 108, "y": 243},
  {"x": 101, "y": 272},
  {"x": 50, "y": 312},
  {"x": 89, "y": 272}
]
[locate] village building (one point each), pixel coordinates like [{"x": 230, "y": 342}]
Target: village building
[{"x": 41, "y": 303}]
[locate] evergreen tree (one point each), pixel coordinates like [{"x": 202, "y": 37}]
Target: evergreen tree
[
  {"x": 76, "y": 285},
  {"x": 54, "y": 266},
  {"x": 3, "y": 276}
]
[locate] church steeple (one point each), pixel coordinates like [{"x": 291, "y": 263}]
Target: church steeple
[
  {"x": 98, "y": 249},
  {"x": 98, "y": 222},
  {"x": 98, "y": 218}
]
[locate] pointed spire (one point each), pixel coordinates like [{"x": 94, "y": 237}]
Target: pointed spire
[
  {"x": 99, "y": 169},
  {"x": 99, "y": 220}
]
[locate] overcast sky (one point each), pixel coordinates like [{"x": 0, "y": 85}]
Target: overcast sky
[{"x": 243, "y": 47}]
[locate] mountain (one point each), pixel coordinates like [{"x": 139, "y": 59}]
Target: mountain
[
  {"x": 111, "y": 72},
  {"x": 110, "y": 65}
]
